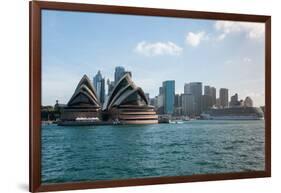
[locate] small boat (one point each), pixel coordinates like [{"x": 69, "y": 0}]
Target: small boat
[
  {"x": 177, "y": 122},
  {"x": 116, "y": 122}
]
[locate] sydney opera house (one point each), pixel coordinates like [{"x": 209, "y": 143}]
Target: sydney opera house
[
  {"x": 126, "y": 104},
  {"x": 84, "y": 103}
]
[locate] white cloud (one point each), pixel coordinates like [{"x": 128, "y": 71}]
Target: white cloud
[
  {"x": 252, "y": 30},
  {"x": 247, "y": 60},
  {"x": 158, "y": 48},
  {"x": 194, "y": 39},
  {"x": 221, "y": 36}
]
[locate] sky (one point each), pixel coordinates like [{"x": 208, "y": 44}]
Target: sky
[{"x": 223, "y": 54}]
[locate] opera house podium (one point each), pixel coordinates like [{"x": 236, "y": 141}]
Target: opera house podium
[{"x": 126, "y": 104}]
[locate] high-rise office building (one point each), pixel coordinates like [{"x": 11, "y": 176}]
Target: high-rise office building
[
  {"x": 119, "y": 73},
  {"x": 234, "y": 100},
  {"x": 169, "y": 96},
  {"x": 207, "y": 90},
  {"x": 177, "y": 100},
  {"x": 188, "y": 104},
  {"x": 224, "y": 97},
  {"x": 153, "y": 101},
  {"x": 207, "y": 102},
  {"x": 160, "y": 90},
  {"x": 110, "y": 86},
  {"x": 160, "y": 101},
  {"x": 187, "y": 88},
  {"x": 210, "y": 91},
  {"x": 99, "y": 84},
  {"x": 214, "y": 95},
  {"x": 177, "y": 105},
  {"x": 218, "y": 103},
  {"x": 195, "y": 88},
  {"x": 160, "y": 104}
]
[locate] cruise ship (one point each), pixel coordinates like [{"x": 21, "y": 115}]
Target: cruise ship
[{"x": 234, "y": 113}]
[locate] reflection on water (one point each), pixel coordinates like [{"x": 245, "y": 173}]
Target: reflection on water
[{"x": 91, "y": 153}]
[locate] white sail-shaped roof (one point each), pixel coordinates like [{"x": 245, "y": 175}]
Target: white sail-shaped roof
[
  {"x": 124, "y": 89},
  {"x": 85, "y": 94}
]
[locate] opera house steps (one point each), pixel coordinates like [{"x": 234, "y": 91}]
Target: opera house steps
[{"x": 138, "y": 113}]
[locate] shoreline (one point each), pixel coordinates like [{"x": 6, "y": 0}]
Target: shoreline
[{"x": 101, "y": 123}]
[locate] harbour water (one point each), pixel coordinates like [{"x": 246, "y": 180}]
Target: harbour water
[{"x": 92, "y": 153}]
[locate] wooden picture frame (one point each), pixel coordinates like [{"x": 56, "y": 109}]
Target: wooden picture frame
[{"x": 35, "y": 94}]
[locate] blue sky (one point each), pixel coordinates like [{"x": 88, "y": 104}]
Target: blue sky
[{"x": 223, "y": 54}]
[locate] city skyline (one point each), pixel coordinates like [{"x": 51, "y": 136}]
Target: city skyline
[
  {"x": 232, "y": 53},
  {"x": 198, "y": 90}
]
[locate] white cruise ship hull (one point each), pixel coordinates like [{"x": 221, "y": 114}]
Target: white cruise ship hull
[
  {"x": 234, "y": 113},
  {"x": 232, "y": 118}
]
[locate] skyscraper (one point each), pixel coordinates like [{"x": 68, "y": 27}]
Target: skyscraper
[
  {"x": 207, "y": 102},
  {"x": 188, "y": 104},
  {"x": 147, "y": 96},
  {"x": 234, "y": 100},
  {"x": 187, "y": 88},
  {"x": 153, "y": 102},
  {"x": 207, "y": 90},
  {"x": 160, "y": 90},
  {"x": 214, "y": 95},
  {"x": 177, "y": 100},
  {"x": 210, "y": 91},
  {"x": 160, "y": 101},
  {"x": 169, "y": 96},
  {"x": 110, "y": 86},
  {"x": 160, "y": 104},
  {"x": 223, "y": 97},
  {"x": 99, "y": 84},
  {"x": 119, "y": 72},
  {"x": 195, "y": 88},
  {"x": 177, "y": 105}
]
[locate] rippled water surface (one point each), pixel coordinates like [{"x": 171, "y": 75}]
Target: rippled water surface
[{"x": 91, "y": 153}]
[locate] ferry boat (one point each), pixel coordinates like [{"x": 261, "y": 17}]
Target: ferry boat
[
  {"x": 176, "y": 122},
  {"x": 81, "y": 121},
  {"x": 234, "y": 113}
]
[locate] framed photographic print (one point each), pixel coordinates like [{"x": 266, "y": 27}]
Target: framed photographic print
[{"x": 123, "y": 96}]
